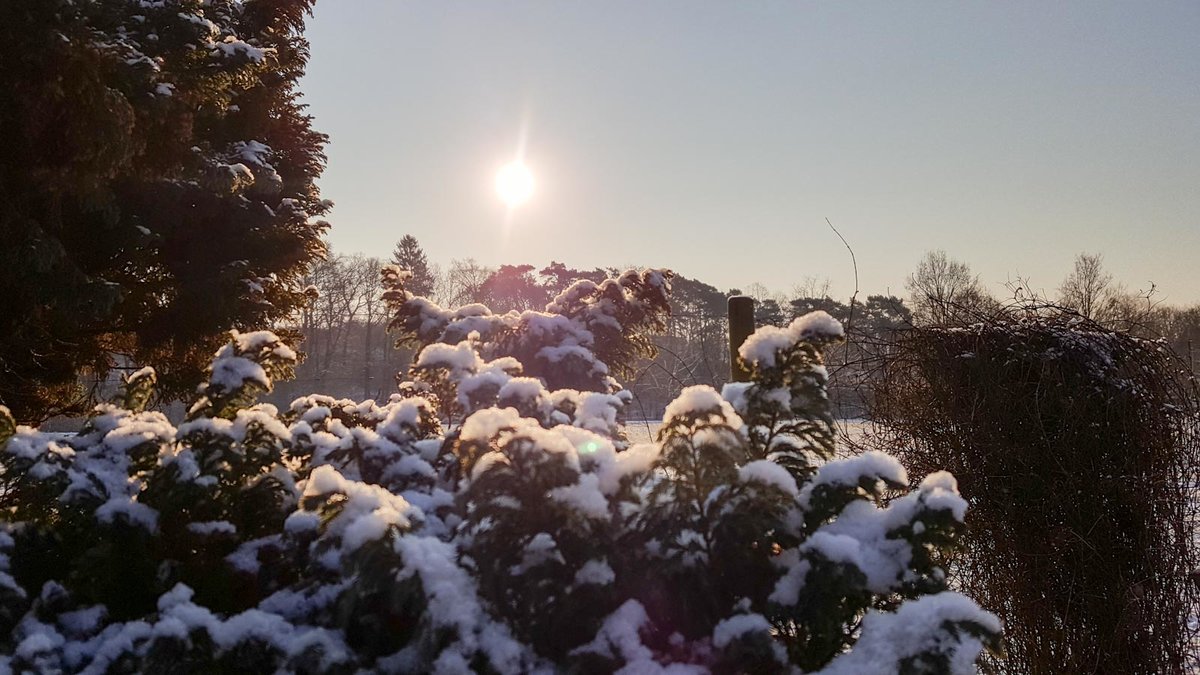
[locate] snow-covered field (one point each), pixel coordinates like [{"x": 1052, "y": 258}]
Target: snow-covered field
[{"x": 641, "y": 431}]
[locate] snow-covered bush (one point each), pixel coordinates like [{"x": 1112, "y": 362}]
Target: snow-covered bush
[{"x": 490, "y": 517}]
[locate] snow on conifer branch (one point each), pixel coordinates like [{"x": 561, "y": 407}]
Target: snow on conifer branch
[{"x": 484, "y": 517}]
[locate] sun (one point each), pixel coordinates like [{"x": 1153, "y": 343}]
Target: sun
[{"x": 514, "y": 184}]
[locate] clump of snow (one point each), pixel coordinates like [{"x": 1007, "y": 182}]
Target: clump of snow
[
  {"x": 701, "y": 401},
  {"x": 638, "y": 458},
  {"x": 763, "y": 347},
  {"x": 917, "y": 626},
  {"x": 873, "y": 466},
  {"x": 817, "y": 325},
  {"x": 620, "y": 636},
  {"x": 787, "y": 588},
  {"x": 212, "y": 527},
  {"x": 145, "y": 372},
  {"x": 486, "y": 424},
  {"x": 598, "y": 412},
  {"x": 736, "y": 393},
  {"x": 939, "y": 491},
  {"x": 584, "y": 496},
  {"x": 769, "y": 473},
  {"x": 83, "y": 622},
  {"x": 595, "y": 572},
  {"x": 232, "y": 46},
  {"x": 539, "y": 550},
  {"x": 241, "y": 361},
  {"x": 367, "y": 513},
  {"x": 125, "y": 509},
  {"x": 458, "y": 359},
  {"x": 738, "y": 625}
]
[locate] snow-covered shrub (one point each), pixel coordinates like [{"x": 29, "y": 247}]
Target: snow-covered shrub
[
  {"x": 588, "y": 333},
  {"x": 489, "y": 517}
]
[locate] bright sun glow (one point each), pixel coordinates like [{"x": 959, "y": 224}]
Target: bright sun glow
[{"x": 514, "y": 184}]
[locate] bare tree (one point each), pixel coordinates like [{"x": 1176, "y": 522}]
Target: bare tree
[
  {"x": 463, "y": 282},
  {"x": 1134, "y": 312},
  {"x": 347, "y": 353},
  {"x": 347, "y": 295},
  {"x": 760, "y": 292},
  {"x": 443, "y": 289},
  {"x": 810, "y": 287},
  {"x": 325, "y": 320},
  {"x": 944, "y": 290},
  {"x": 1088, "y": 288},
  {"x": 371, "y": 311}
]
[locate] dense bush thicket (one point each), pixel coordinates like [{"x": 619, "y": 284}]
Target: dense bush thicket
[
  {"x": 1079, "y": 452},
  {"x": 158, "y": 178},
  {"x": 490, "y": 517}
]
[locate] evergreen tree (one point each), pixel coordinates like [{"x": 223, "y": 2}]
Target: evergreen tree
[
  {"x": 410, "y": 256},
  {"x": 589, "y": 334},
  {"x": 557, "y": 277},
  {"x": 158, "y": 178},
  {"x": 883, "y": 313},
  {"x": 768, "y": 313},
  {"x": 804, "y": 305},
  {"x": 514, "y": 287}
]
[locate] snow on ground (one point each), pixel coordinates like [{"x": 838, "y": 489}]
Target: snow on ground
[{"x": 642, "y": 431}]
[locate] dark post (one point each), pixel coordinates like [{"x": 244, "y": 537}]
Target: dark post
[{"x": 741, "y": 325}]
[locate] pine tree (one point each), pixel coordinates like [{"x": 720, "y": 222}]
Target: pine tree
[
  {"x": 410, "y": 256},
  {"x": 557, "y": 277},
  {"x": 882, "y": 313},
  {"x": 514, "y": 287},
  {"x": 768, "y": 313},
  {"x": 158, "y": 176}
]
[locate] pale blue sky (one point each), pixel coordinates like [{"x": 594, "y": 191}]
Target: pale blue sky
[{"x": 714, "y": 138}]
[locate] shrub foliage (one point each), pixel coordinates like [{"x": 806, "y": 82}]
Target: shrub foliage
[
  {"x": 490, "y": 517},
  {"x": 1078, "y": 449}
]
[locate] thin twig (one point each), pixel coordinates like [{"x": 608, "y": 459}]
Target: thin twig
[{"x": 853, "y": 298}]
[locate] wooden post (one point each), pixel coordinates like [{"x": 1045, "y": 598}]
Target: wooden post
[{"x": 741, "y": 325}]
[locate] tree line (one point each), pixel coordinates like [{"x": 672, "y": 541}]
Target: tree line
[{"x": 348, "y": 353}]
